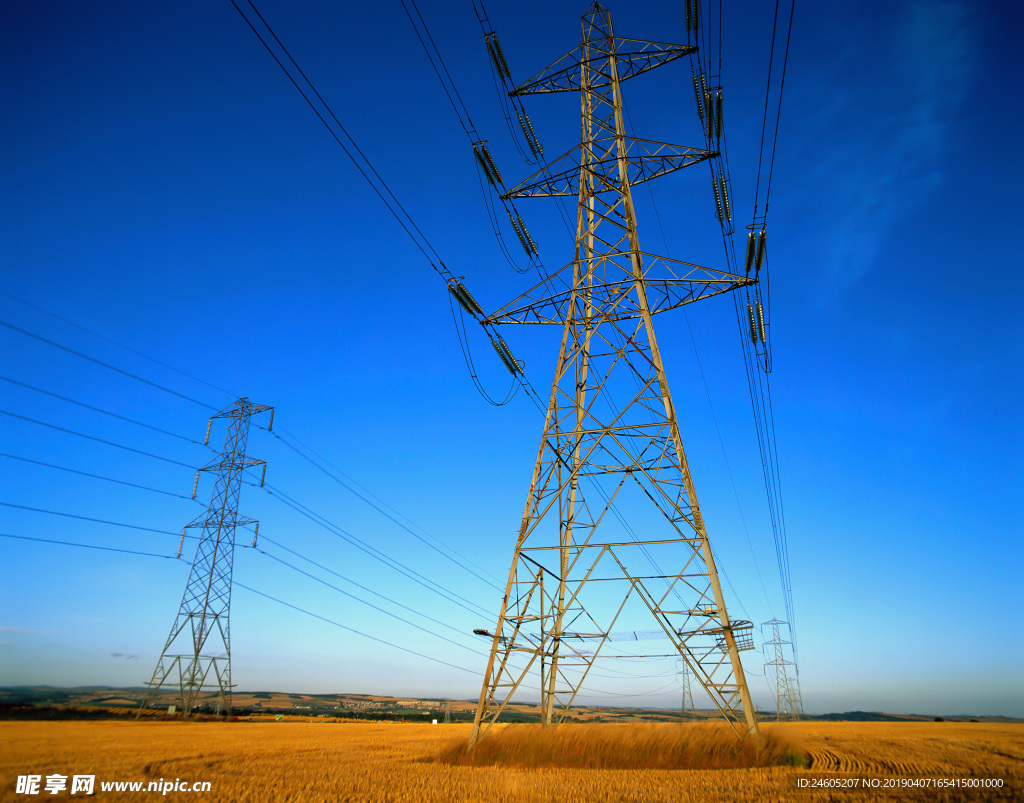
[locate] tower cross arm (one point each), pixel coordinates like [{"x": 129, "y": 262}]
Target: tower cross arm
[
  {"x": 647, "y": 159},
  {"x": 632, "y": 56},
  {"x": 235, "y": 462},
  {"x": 611, "y": 299}
]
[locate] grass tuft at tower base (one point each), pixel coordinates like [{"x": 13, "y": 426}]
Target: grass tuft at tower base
[{"x": 621, "y": 746}]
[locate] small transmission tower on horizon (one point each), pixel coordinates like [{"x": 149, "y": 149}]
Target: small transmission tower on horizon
[
  {"x": 579, "y": 564},
  {"x": 787, "y": 689},
  {"x": 687, "y": 690},
  {"x": 205, "y": 606}
]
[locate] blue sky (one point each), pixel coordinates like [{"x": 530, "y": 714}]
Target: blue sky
[{"x": 166, "y": 187}]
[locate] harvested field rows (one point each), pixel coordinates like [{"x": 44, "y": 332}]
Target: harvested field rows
[{"x": 392, "y": 762}]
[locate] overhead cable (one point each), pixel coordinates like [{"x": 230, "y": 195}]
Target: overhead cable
[
  {"x": 98, "y": 440},
  {"x": 352, "y": 629},
  {"x": 107, "y": 365},
  {"x": 96, "y": 476},
  {"x": 115, "y": 342},
  {"x": 100, "y": 410}
]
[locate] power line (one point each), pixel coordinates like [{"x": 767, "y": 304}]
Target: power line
[
  {"x": 247, "y": 588},
  {"x": 778, "y": 113},
  {"x": 757, "y": 375},
  {"x": 265, "y": 539},
  {"x": 767, "y": 98},
  {"x": 364, "y": 602},
  {"x": 450, "y": 82},
  {"x": 106, "y": 365},
  {"x": 388, "y": 561},
  {"x": 88, "y": 518},
  {"x": 368, "y": 492},
  {"x": 89, "y": 546},
  {"x": 94, "y": 476},
  {"x": 98, "y": 440},
  {"x": 379, "y": 186},
  {"x": 116, "y": 343},
  {"x": 422, "y": 243},
  {"x": 387, "y": 515},
  {"x": 361, "y": 586},
  {"x": 352, "y": 629},
  {"x": 99, "y": 410}
]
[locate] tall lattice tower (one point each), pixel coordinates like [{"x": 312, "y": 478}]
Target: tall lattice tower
[
  {"x": 787, "y": 694},
  {"x": 579, "y": 565},
  {"x": 206, "y": 603},
  {"x": 687, "y": 690}
]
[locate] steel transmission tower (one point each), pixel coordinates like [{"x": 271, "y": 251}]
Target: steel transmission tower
[
  {"x": 684, "y": 682},
  {"x": 578, "y": 563},
  {"x": 787, "y": 691},
  {"x": 207, "y": 600}
]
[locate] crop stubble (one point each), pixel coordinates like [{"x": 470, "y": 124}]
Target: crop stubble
[{"x": 279, "y": 761}]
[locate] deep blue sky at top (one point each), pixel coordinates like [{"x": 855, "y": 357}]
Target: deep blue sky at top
[{"x": 164, "y": 185}]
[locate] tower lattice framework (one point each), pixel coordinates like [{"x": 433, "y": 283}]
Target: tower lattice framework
[
  {"x": 787, "y": 690},
  {"x": 197, "y": 654},
  {"x": 687, "y": 690},
  {"x": 580, "y": 566}
]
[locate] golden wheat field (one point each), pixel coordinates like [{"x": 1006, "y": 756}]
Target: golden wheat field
[{"x": 298, "y": 761}]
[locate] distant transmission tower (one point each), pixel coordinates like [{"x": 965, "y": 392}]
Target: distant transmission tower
[
  {"x": 447, "y": 713},
  {"x": 201, "y": 664},
  {"x": 787, "y": 690},
  {"x": 684, "y": 681},
  {"x": 579, "y": 564}
]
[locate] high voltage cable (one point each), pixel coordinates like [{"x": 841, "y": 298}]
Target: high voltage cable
[
  {"x": 360, "y": 585},
  {"x": 392, "y": 563},
  {"x": 107, "y": 365},
  {"x": 158, "y": 457},
  {"x": 247, "y": 588},
  {"x": 265, "y": 539},
  {"x": 352, "y": 629},
  {"x": 444, "y": 86},
  {"x": 89, "y": 518},
  {"x": 778, "y": 113},
  {"x": 484, "y": 164},
  {"x": 157, "y": 429},
  {"x": 460, "y": 331},
  {"x": 96, "y": 476},
  {"x": 364, "y": 602},
  {"x": 423, "y": 244},
  {"x": 99, "y": 410},
  {"x": 111, "y": 340},
  {"x": 89, "y": 546},
  {"x": 756, "y": 377},
  {"x": 283, "y": 431},
  {"x": 764, "y": 426},
  {"x": 385, "y": 514},
  {"x": 700, "y": 367},
  {"x": 98, "y": 440},
  {"x": 767, "y": 97}
]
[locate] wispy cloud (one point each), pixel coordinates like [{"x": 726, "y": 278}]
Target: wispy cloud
[
  {"x": 875, "y": 146},
  {"x": 18, "y": 631}
]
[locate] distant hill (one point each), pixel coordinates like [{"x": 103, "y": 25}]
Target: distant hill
[
  {"x": 857, "y": 716},
  {"x": 92, "y": 701}
]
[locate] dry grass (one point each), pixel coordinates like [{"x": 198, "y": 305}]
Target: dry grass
[
  {"x": 274, "y": 762},
  {"x": 623, "y": 747}
]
